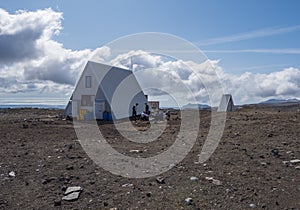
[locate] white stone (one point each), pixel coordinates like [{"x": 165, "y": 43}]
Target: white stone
[
  {"x": 188, "y": 201},
  {"x": 295, "y": 161},
  {"x": 263, "y": 163},
  {"x": 127, "y": 185},
  {"x": 171, "y": 165},
  {"x": 160, "y": 180},
  {"x": 209, "y": 178},
  {"x": 193, "y": 178},
  {"x": 72, "y": 189},
  {"x": 134, "y": 151},
  {"x": 72, "y": 196},
  {"x": 12, "y": 174}
]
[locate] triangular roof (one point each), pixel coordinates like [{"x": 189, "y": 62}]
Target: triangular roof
[{"x": 119, "y": 86}]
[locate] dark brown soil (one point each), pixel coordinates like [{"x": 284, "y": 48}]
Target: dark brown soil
[{"x": 43, "y": 151}]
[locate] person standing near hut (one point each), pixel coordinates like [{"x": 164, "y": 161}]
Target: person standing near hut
[
  {"x": 134, "y": 111},
  {"x": 147, "y": 111}
]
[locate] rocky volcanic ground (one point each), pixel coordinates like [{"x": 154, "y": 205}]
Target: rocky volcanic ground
[{"x": 256, "y": 165}]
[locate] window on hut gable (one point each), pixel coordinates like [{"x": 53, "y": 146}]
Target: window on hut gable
[{"x": 88, "y": 81}]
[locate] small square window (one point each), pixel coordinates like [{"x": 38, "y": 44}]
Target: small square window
[
  {"x": 88, "y": 81},
  {"x": 86, "y": 100}
]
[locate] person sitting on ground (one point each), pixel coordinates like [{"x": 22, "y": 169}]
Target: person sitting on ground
[
  {"x": 168, "y": 115},
  {"x": 144, "y": 116}
]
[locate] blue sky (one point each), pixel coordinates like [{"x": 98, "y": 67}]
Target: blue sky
[
  {"x": 88, "y": 24},
  {"x": 260, "y": 37}
]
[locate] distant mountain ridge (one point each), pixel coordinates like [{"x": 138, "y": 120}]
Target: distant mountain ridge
[
  {"x": 33, "y": 106},
  {"x": 196, "y": 106},
  {"x": 280, "y": 101}
]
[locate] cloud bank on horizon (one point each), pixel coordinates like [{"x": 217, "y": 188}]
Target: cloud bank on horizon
[{"x": 33, "y": 63}]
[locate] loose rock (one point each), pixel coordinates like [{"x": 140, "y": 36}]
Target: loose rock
[
  {"x": 12, "y": 174},
  {"x": 160, "y": 180},
  {"x": 72, "y": 196},
  {"x": 193, "y": 178},
  {"x": 295, "y": 161},
  {"x": 72, "y": 193},
  {"x": 73, "y": 189},
  {"x": 57, "y": 202},
  {"x": 264, "y": 164},
  {"x": 209, "y": 178},
  {"x": 135, "y": 151},
  {"x": 286, "y": 162},
  {"x": 189, "y": 201},
  {"x": 275, "y": 152},
  {"x": 214, "y": 181},
  {"x": 69, "y": 168},
  {"x": 127, "y": 185},
  {"x": 44, "y": 181}
]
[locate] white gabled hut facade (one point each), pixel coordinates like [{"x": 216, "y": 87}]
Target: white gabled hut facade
[{"x": 105, "y": 89}]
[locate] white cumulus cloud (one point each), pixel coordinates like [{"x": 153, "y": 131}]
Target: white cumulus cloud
[
  {"x": 199, "y": 78},
  {"x": 30, "y": 57}
]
